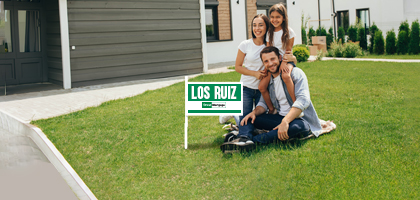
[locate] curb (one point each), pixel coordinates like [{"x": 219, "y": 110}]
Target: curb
[{"x": 15, "y": 125}]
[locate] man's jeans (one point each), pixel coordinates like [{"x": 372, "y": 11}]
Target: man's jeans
[
  {"x": 297, "y": 128},
  {"x": 251, "y": 97}
]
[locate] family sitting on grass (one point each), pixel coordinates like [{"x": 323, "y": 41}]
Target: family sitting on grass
[{"x": 285, "y": 107}]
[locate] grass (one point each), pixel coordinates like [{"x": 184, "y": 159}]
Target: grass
[
  {"x": 395, "y": 56},
  {"x": 133, "y": 148}
]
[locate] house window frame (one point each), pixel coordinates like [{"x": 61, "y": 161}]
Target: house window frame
[
  {"x": 368, "y": 16},
  {"x": 214, "y": 38},
  {"x": 339, "y": 20}
]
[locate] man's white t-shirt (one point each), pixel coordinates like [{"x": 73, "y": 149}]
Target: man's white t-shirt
[
  {"x": 277, "y": 39},
  {"x": 281, "y": 96},
  {"x": 252, "y": 62}
]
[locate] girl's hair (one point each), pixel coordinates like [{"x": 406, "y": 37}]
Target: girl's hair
[
  {"x": 267, "y": 25},
  {"x": 280, "y": 8}
]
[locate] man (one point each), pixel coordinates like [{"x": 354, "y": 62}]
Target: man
[{"x": 288, "y": 123}]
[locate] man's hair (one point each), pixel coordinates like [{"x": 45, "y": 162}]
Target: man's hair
[{"x": 270, "y": 49}]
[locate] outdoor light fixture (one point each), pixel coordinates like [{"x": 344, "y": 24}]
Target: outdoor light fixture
[{"x": 237, "y": 1}]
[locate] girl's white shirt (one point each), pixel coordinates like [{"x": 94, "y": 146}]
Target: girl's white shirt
[
  {"x": 252, "y": 62},
  {"x": 277, "y": 39}
]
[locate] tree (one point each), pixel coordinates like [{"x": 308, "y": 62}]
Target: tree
[
  {"x": 303, "y": 28},
  {"x": 340, "y": 34},
  {"x": 390, "y": 42},
  {"x": 362, "y": 38},
  {"x": 402, "y": 44},
  {"x": 413, "y": 47},
  {"x": 372, "y": 31},
  {"x": 378, "y": 46},
  {"x": 403, "y": 37}
]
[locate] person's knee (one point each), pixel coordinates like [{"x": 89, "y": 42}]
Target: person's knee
[{"x": 298, "y": 128}]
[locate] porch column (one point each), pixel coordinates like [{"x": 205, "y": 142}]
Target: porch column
[
  {"x": 65, "y": 44},
  {"x": 203, "y": 34}
]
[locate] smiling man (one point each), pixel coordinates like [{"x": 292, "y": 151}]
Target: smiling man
[{"x": 289, "y": 123}]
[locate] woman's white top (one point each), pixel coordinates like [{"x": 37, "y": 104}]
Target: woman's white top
[
  {"x": 252, "y": 62},
  {"x": 277, "y": 39}
]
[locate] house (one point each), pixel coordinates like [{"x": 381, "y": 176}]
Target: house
[
  {"x": 387, "y": 14},
  {"x": 77, "y": 43}
]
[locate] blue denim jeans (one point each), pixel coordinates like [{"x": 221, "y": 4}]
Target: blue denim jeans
[
  {"x": 298, "y": 128},
  {"x": 251, "y": 97}
]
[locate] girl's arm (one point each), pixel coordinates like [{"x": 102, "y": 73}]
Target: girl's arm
[
  {"x": 242, "y": 70},
  {"x": 286, "y": 70}
]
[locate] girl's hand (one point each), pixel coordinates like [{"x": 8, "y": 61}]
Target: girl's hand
[{"x": 259, "y": 74}]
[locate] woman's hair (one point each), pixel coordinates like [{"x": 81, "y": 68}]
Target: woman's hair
[
  {"x": 267, "y": 25},
  {"x": 280, "y": 8}
]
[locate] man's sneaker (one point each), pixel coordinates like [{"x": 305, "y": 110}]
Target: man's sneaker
[
  {"x": 230, "y": 137},
  {"x": 224, "y": 118},
  {"x": 238, "y": 145}
]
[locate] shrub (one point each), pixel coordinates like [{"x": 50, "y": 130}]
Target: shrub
[
  {"x": 337, "y": 49},
  {"x": 311, "y": 33},
  {"x": 301, "y": 45},
  {"x": 352, "y": 50},
  {"x": 402, "y": 44},
  {"x": 304, "y": 38},
  {"x": 390, "y": 42},
  {"x": 378, "y": 41},
  {"x": 321, "y": 31},
  {"x": 340, "y": 34},
  {"x": 403, "y": 37},
  {"x": 330, "y": 37},
  {"x": 352, "y": 31},
  {"x": 301, "y": 53},
  {"x": 404, "y": 27},
  {"x": 413, "y": 47},
  {"x": 372, "y": 31},
  {"x": 362, "y": 38}
]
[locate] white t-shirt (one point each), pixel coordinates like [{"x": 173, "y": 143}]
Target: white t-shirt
[
  {"x": 252, "y": 62},
  {"x": 281, "y": 96},
  {"x": 277, "y": 39}
]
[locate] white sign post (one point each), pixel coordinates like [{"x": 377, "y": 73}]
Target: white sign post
[{"x": 211, "y": 98}]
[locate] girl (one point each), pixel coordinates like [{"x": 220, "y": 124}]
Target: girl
[{"x": 282, "y": 37}]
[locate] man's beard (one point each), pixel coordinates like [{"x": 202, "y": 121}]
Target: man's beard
[{"x": 278, "y": 68}]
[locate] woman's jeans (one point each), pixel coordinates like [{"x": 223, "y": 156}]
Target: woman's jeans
[{"x": 251, "y": 97}]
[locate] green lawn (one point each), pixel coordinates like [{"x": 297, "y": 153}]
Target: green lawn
[
  {"x": 406, "y": 56},
  {"x": 134, "y": 148}
]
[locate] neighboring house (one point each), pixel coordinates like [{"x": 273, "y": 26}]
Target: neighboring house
[
  {"x": 76, "y": 43},
  {"x": 387, "y": 14}
]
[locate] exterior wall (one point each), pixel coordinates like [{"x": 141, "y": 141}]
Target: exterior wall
[
  {"x": 225, "y": 51},
  {"x": 130, "y": 40},
  {"x": 55, "y": 69},
  {"x": 224, "y": 20}
]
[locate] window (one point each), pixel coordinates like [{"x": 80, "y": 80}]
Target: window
[
  {"x": 5, "y": 30},
  {"x": 363, "y": 16},
  {"x": 218, "y": 20},
  {"x": 211, "y": 24},
  {"x": 262, "y": 11},
  {"x": 343, "y": 19}
]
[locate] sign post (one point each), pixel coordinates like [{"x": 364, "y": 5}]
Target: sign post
[{"x": 211, "y": 98}]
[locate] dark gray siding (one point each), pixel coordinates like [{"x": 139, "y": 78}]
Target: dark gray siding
[
  {"x": 133, "y": 39},
  {"x": 55, "y": 68}
]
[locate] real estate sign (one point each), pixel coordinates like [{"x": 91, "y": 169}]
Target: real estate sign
[{"x": 213, "y": 98}]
